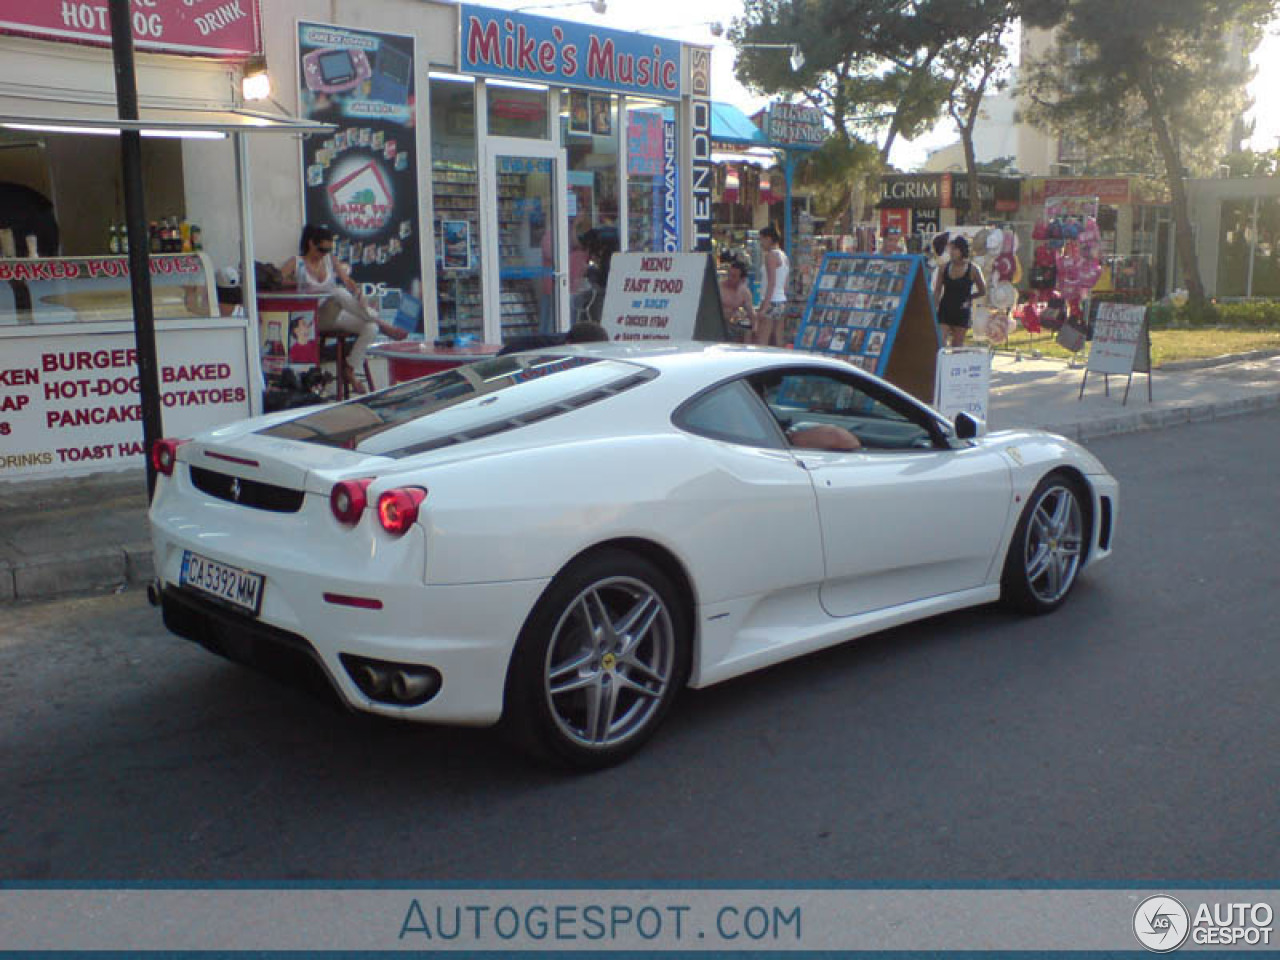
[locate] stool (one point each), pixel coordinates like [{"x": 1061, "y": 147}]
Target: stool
[{"x": 339, "y": 355}]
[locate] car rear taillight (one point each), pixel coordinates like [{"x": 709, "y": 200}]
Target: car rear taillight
[
  {"x": 347, "y": 500},
  {"x": 164, "y": 455},
  {"x": 398, "y": 509}
]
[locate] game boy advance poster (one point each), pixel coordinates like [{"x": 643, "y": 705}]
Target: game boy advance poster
[{"x": 361, "y": 180}]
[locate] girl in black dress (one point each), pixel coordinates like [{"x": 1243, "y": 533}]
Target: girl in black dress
[{"x": 957, "y": 284}]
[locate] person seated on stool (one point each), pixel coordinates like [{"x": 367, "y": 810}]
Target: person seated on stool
[
  {"x": 344, "y": 312},
  {"x": 823, "y": 437},
  {"x": 587, "y": 331}
]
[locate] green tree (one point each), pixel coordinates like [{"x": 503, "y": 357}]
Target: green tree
[
  {"x": 878, "y": 69},
  {"x": 1168, "y": 72},
  {"x": 867, "y": 64},
  {"x": 975, "y": 61},
  {"x": 1251, "y": 163}
]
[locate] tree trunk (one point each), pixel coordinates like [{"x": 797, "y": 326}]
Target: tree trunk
[
  {"x": 888, "y": 141},
  {"x": 971, "y": 166},
  {"x": 1177, "y": 190}
]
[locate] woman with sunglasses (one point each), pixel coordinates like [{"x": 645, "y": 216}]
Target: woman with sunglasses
[{"x": 317, "y": 270}]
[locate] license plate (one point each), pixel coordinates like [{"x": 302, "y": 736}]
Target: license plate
[{"x": 240, "y": 588}]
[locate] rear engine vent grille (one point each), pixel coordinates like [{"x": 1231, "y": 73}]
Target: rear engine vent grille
[{"x": 247, "y": 493}]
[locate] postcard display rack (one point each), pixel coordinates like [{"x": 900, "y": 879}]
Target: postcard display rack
[
  {"x": 515, "y": 241},
  {"x": 876, "y": 313},
  {"x": 457, "y": 200},
  {"x": 804, "y": 268}
]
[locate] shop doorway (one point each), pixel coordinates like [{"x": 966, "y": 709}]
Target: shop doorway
[{"x": 525, "y": 272}]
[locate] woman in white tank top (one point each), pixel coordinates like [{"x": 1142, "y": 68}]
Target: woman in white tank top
[
  {"x": 316, "y": 270},
  {"x": 771, "y": 315}
]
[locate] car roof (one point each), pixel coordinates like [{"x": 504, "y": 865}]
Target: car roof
[{"x": 703, "y": 361}]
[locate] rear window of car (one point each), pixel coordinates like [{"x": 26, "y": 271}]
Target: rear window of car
[{"x": 479, "y": 399}]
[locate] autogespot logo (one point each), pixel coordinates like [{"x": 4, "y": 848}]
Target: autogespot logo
[{"x": 1161, "y": 924}]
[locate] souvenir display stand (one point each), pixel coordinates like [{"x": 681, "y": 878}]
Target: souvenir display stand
[
  {"x": 1067, "y": 265},
  {"x": 875, "y": 312},
  {"x": 1121, "y": 347}
]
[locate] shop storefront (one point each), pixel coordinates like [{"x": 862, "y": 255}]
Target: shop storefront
[
  {"x": 919, "y": 205},
  {"x": 68, "y": 373},
  {"x": 475, "y": 149},
  {"x": 1237, "y": 233}
]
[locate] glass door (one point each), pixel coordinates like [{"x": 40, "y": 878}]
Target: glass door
[{"x": 526, "y": 279}]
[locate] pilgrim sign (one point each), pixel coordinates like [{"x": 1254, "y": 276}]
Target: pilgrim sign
[{"x": 662, "y": 297}]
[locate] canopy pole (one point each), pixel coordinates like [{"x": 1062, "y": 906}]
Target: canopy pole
[
  {"x": 135, "y": 217},
  {"x": 248, "y": 276},
  {"x": 789, "y": 167}
]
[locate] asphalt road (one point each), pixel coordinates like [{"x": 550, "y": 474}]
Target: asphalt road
[{"x": 1131, "y": 736}]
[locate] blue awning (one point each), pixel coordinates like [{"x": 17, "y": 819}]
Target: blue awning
[{"x": 731, "y": 126}]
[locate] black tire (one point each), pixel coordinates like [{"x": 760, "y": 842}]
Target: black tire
[
  {"x": 603, "y": 717},
  {"x": 1048, "y": 547}
]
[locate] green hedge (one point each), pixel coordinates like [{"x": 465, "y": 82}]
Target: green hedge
[
  {"x": 1247, "y": 314},
  {"x": 1250, "y": 314}
]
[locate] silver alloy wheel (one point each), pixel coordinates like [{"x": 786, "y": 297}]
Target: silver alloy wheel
[
  {"x": 610, "y": 662},
  {"x": 1054, "y": 542}
]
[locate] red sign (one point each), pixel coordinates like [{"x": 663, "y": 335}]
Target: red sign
[
  {"x": 1113, "y": 191},
  {"x": 207, "y": 28},
  {"x": 91, "y": 268},
  {"x": 901, "y": 219}
]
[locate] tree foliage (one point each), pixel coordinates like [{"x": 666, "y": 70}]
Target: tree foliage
[
  {"x": 878, "y": 69},
  {"x": 1159, "y": 82}
]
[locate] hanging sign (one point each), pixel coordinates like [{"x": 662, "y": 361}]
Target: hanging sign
[
  {"x": 363, "y": 180},
  {"x": 502, "y": 43},
  {"x": 644, "y": 144},
  {"x": 662, "y": 298},
  {"x": 670, "y": 189},
  {"x": 794, "y": 125},
  {"x": 207, "y": 28},
  {"x": 963, "y": 382}
]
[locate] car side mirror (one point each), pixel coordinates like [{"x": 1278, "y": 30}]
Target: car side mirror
[{"x": 969, "y": 427}]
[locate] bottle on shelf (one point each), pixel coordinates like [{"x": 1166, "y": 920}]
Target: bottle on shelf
[
  {"x": 185, "y": 232},
  {"x": 154, "y": 238},
  {"x": 197, "y": 238},
  {"x": 113, "y": 239}
]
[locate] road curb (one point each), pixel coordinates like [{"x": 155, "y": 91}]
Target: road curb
[{"x": 1175, "y": 366}]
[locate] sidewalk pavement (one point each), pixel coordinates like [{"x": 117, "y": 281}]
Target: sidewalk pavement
[{"x": 89, "y": 535}]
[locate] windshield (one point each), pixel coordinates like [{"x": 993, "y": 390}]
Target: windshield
[{"x": 475, "y": 400}]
